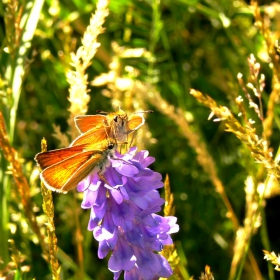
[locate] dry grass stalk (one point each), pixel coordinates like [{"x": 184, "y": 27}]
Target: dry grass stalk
[
  {"x": 251, "y": 223},
  {"x": 21, "y": 182},
  {"x": 169, "y": 208},
  {"x": 77, "y": 78},
  {"x": 263, "y": 23},
  {"x": 272, "y": 46},
  {"x": 16, "y": 265},
  {"x": 48, "y": 208},
  {"x": 169, "y": 251},
  {"x": 208, "y": 275},
  {"x": 15, "y": 167},
  {"x": 271, "y": 256},
  {"x": 12, "y": 19},
  {"x": 256, "y": 85},
  {"x": 247, "y": 133}
]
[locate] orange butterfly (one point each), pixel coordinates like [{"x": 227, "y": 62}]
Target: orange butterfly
[{"x": 63, "y": 169}]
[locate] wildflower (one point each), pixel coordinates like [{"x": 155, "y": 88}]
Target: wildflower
[{"x": 123, "y": 218}]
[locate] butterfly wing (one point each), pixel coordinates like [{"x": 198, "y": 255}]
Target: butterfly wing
[
  {"x": 96, "y": 129},
  {"x": 94, "y": 139},
  {"x": 46, "y": 159},
  {"x": 134, "y": 122},
  {"x": 88, "y": 122},
  {"x": 65, "y": 175},
  {"x": 123, "y": 125}
]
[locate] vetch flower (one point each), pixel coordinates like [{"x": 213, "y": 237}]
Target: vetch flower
[{"x": 123, "y": 218}]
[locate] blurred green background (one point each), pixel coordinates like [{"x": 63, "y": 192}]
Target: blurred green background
[{"x": 190, "y": 44}]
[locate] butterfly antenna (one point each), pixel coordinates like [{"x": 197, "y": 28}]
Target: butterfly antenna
[
  {"x": 142, "y": 112},
  {"x": 102, "y": 112}
]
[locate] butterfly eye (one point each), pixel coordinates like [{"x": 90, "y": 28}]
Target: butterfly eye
[
  {"x": 115, "y": 118},
  {"x": 110, "y": 146}
]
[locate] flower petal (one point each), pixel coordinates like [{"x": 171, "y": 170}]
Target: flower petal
[{"x": 122, "y": 257}]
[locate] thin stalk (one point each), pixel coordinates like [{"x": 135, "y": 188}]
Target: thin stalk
[
  {"x": 4, "y": 250},
  {"x": 79, "y": 240},
  {"x": 266, "y": 243},
  {"x": 48, "y": 208}
]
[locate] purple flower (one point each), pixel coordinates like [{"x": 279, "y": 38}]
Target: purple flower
[{"x": 123, "y": 218}]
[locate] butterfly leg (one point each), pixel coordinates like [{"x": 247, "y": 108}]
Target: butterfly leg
[
  {"x": 124, "y": 161},
  {"x": 102, "y": 177},
  {"x": 132, "y": 138}
]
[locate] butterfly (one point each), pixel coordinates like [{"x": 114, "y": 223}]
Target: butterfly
[
  {"x": 117, "y": 125},
  {"x": 63, "y": 169}
]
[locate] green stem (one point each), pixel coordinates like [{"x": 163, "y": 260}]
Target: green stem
[{"x": 4, "y": 233}]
